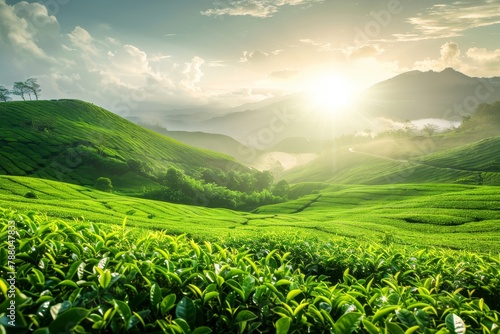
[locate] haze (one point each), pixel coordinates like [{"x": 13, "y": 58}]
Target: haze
[{"x": 132, "y": 57}]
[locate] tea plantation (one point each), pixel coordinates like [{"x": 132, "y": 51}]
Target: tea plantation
[{"x": 86, "y": 277}]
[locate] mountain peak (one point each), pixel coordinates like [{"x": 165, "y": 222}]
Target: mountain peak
[{"x": 452, "y": 71}]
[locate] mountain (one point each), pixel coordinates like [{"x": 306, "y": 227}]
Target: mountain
[
  {"x": 77, "y": 142},
  {"x": 209, "y": 141},
  {"x": 446, "y": 95},
  {"x": 414, "y": 95}
]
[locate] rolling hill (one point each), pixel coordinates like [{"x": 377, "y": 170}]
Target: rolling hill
[
  {"x": 209, "y": 141},
  {"x": 77, "y": 142},
  {"x": 408, "y": 212},
  {"x": 466, "y": 155},
  {"x": 404, "y": 161}
]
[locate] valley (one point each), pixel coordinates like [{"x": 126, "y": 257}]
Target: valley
[{"x": 133, "y": 230}]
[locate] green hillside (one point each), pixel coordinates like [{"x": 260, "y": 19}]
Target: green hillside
[
  {"x": 209, "y": 141},
  {"x": 482, "y": 156},
  {"x": 77, "y": 142},
  {"x": 454, "y": 216}
]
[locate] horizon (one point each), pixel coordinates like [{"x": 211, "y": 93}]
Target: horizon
[{"x": 219, "y": 55}]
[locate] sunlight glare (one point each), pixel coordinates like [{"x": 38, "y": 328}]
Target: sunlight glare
[{"x": 331, "y": 92}]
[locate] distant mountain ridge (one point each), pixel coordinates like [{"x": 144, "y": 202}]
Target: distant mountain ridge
[
  {"x": 413, "y": 95},
  {"x": 448, "y": 94}
]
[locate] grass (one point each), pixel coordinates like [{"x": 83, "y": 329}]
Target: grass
[
  {"x": 451, "y": 216},
  {"x": 77, "y": 142},
  {"x": 416, "y": 160}
]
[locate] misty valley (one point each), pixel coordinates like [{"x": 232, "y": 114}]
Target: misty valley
[{"x": 251, "y": 166}]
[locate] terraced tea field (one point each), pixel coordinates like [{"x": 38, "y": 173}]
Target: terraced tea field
[
  {"x": 454, "y": 216},
  {"x": 91, "y": 277}
]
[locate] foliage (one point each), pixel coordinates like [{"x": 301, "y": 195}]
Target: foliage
[
  {"x": 282, "y": 189},
  {"x": 484, "y": 115},
  {"x": 452, "y": 216},
  {"x": 74, "y": 141},
  {"x": 4, "y": 94},
  {"x": 103, "y": 184},
  {"x": 181, "y": 188},
  {"x": 33, "y": 87},
  {"x": 20, "y": 89},
  {"x": 430, "y": 129},
  {"x": 31, "y": 194},
  {"x": 88, "y": 278}
]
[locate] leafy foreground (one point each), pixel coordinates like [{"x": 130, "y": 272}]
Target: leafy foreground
[{"x": 92, "y": 278}]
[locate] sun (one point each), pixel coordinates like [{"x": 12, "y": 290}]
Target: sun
[{"x": 331, "y": 92}]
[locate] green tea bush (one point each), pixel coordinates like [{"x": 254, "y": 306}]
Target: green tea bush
[
  {"x": 91, "y": 278},
  {"x": 31, "y": 194},
  {"x": 103, "y": 184}
]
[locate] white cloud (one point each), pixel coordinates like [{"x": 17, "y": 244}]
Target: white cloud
[
  {"x": 487, "y": 60},
  {"x": 20, "y": 24},
  {"x": 450, "y": 57},
  {"x": 320, "y": 46},
  {"x": 478, "y": 62},
  {"x": 255, "y": 8},
  {"x": 192, "y": 74},
  {"x": 452, "y": 19},
  {"x": 253, "y": 56},
  {"x": 363, "y": 51},
  {"x": 82, "y": 39},
  {"x": 450, "y": 54},
  {"x": 94, "y": 67}
]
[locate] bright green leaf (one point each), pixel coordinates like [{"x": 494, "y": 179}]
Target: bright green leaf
[
  {"x": 283, "y": 325},
  {"x": 455, "y": 324},
  {"x": 244, "y": 315},
  {"x": 348, "y": 323}
]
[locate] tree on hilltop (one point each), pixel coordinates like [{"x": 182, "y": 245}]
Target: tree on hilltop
[
  {"x": 30, "y": 86},
  {"x": 33, "y": 87},
  {"x": 4, "y": 94},
  {"x": 19, "y": 89}
]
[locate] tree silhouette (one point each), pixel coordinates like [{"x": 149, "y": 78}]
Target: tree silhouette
[
  {"x": 430, "y": 129},
  {"x": 19, "y": 89},
  {"x": 33, "y": 87},
  {"x": 4, "y": 94}
]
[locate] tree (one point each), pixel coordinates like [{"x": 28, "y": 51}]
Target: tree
[
  {"x": 409, "y": 127},
  {"x": 4, "y": 94},
  {"x": 174, "y": 178},
  {"x": 19, "y": 89},
  {"x": 430, "y": 129},
  {"x": 281, "y": 189},
  {"x": 103, "y": 184},
  {"x": 264, "y": 180},
  {"x": 32, "y": 86}
]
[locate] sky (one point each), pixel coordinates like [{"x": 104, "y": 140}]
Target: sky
[{"x": 130, "y": 55}]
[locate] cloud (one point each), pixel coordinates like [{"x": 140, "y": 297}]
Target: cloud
[
  {"x": 255, "y": 8},
  {"x": 256, "y": 56},
  {"x": 450, "y": 54},
  {"x": 285, "y": 73},
  {"x": 20, "y": 24},
  {"x": 320, "y": 46},
  {"x": 450, "y": 57},
  {"x": 363, "y": 51},
  {"x": 82, "y": 39},
  {"x": 488, "y": 60},
  {"x": 192, "y": 74},
  {"x": 452, "y": 20},
  {"x": 478, "y": 62}
]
